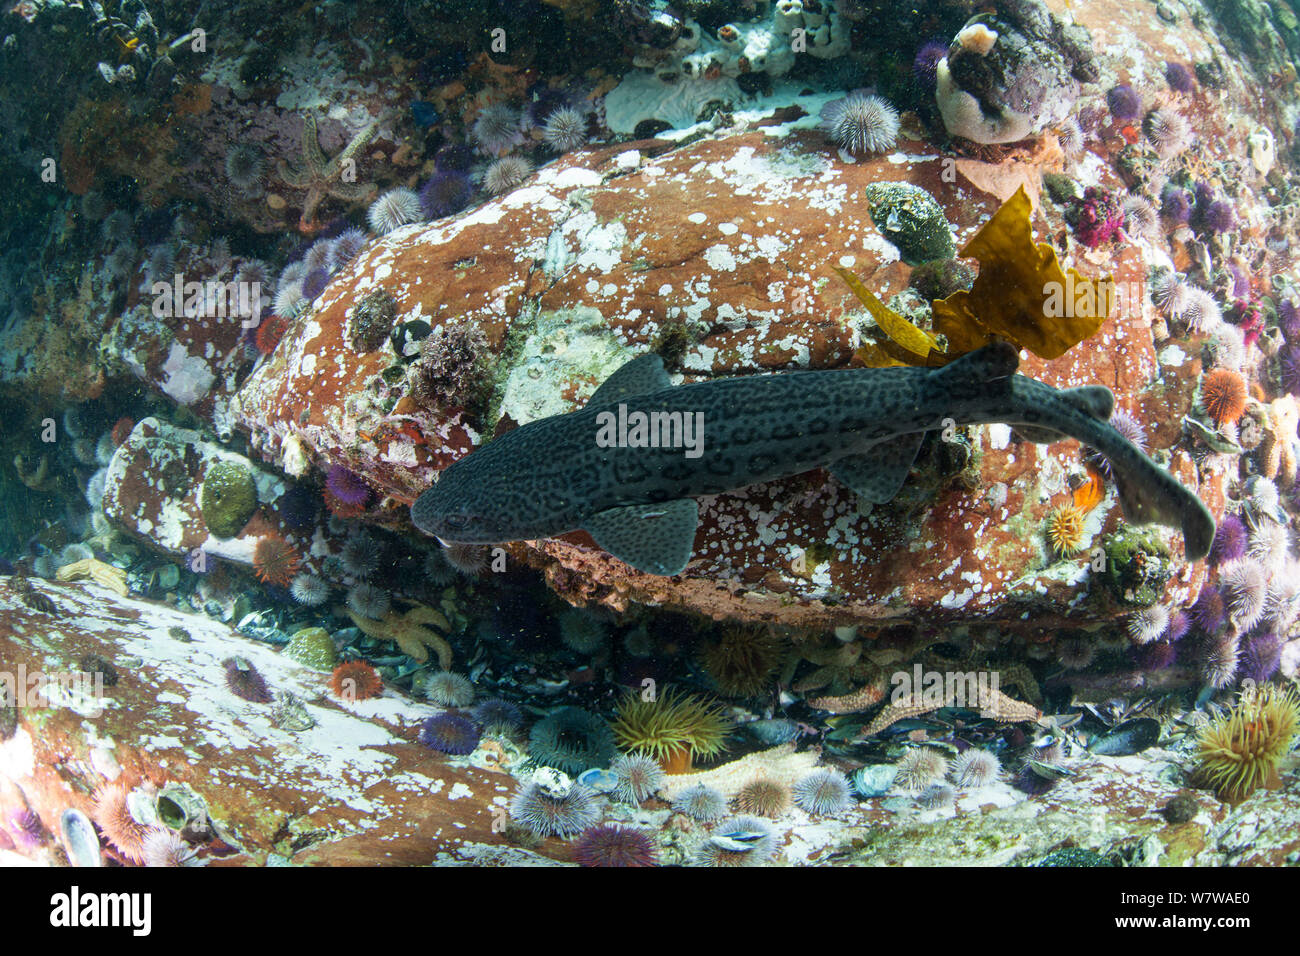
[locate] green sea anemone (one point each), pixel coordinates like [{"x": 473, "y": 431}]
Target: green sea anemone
[
  {"x": 673, "y": 728},
  {"x": 1240, "y": 751}
]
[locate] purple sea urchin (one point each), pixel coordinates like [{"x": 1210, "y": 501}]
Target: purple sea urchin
[
  {"x": 346, "y": 485},
  {"x": 449, "y": 689},
  {"x": 506, "y": 173},
  {"x": 1179, "y": 77},
  {"x": 823, "y": 792},
  {"x": 614, "y": 845},
  {"x": 1261, "y": 656},
  {"x": 349, "y": 243},
  {"x": 1176, "y": 205},
  {"x": 925, "y": 65},
  {"x": 245, "y": 682},
  {"x": 1123, "y": 102},
  {"x": 1209, "y": 612},
  {"x": 701, "y": 803},
  {"x": 1219, "y": 661},
  {"x": 546, "y": 812},
  {"x": 449, "y": 734},
  {"x": 639, "y": 777},
  {"x": 314, "y": 283},
  {"x": 447, "y": 192},
  {"x": 360, "y": 555},
  {"x": 394, "y": 209},
  {"x": 1218, "y": 217},
  {"x": 861, "y": 123}
]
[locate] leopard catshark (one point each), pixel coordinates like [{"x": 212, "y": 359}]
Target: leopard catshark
[{"x": 598, "y": 469}]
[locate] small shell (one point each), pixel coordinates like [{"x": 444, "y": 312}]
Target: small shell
[
  {"x": 79, "y": 839},
  {"x": 599, "y": 779}
]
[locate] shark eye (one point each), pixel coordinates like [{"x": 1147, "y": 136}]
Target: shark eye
[{"x": 456, "y": 520}]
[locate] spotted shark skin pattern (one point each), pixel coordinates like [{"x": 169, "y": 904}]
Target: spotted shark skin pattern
[{"x": 548, "y": 477}]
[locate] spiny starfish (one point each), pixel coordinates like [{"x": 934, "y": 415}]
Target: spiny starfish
[
  {"x": 323, "y": 177},
  {"x": 409, "y": 633},
  {"x": 992, "y": 703},
  {"x": 98, "y": 571},
  {"x": 853, "y": 703}
]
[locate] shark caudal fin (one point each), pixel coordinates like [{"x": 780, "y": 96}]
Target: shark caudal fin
[{"x": 1157, "y": 497}]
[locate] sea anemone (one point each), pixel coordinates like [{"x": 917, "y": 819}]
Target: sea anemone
[
  {"x": 925, "y": 65},
  {"x": 763, "y": 797},
  {"x": 920, "y": 767},
  {"x": 162, "y": 847},
  {"x": 701, "y": 803},
  {"x": 506, "y": 173},
  {"x": 356, "y": 680},
  {"x": 112, "y": 813},
  {"x": 743, "y": 661},
  {"x": 1223, "y": 395},
  {"x": 582, "y": 631},
  {"x": 275, "y": 561},
  {"x": 498, "y": 717},
  {"x": 861, "y": 123},
  {"x": 1065, "y": 530},
  {"x": 1124, "y": 102},
  {"x": 451, "y": 369},
  {"x": 1147, "y": 624},
  {"x": 1245, "y": 591},
  {"x": 1176, "y": 205},
  {"x": 565, "y": 129},
  {"x": 449, "y": 734},
  {"x": 1240, "y": 751},
  {"x": 1179, "y": 77},
  {"x": 975, "y": 768},
  {"x": 1168, "y": 131},
  {"x": 448, "y": 191},
  {"x": 673, "y": 728},
  {"x": 310, "y": 590},
  {"x": 369, "y": 601},
  {"x": 739, "y": 841},
  {"x": 394, "y": 209},
  {"x": 497, "y": 129},
  {"x": 270, "y": 331},
  {"x": 572, "y": 740},
  {"x": 545, "y": 812},
  {"x": 360, "y": 555},
  {"x": 449, "y": 689},
  {"x": 639, "y": 777},
  {"x": 245, "y": 682},
  {"x": 824, "y": 792},
  {"x": 1230, "y": 540},
  {"x": 244, "y": 165},
  {"x": 614, "y": 845}
]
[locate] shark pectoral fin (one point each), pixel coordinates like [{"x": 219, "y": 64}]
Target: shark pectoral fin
[
  {"x": 642, "y": 375},
  {"x": 1039, "y": 435},
  {"x": 876, "y": 475},
  {"x": 654, "y": 538},
  {"x": 1161, "y": 499},
  {"x": 1095, "y": 400}
]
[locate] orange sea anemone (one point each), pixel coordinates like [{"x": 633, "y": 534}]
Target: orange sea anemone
[
  {"x": 270, "y": 332},
  {"x": 275, "y": 561},
  {"x": 1065, "y": 529},
  {"x": 1223, "y": 395},
  {"x": 356, "y": 680}
]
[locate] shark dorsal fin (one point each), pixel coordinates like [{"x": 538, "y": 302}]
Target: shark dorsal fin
[
  {"x": 642, "y": 375},
  {"x": 1095, "y": 400},
  {"x": 987, "y": 364}
]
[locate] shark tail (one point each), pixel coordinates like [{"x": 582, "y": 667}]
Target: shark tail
[{"x": 1155, "y": 496}]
